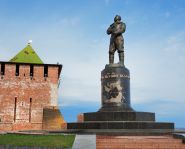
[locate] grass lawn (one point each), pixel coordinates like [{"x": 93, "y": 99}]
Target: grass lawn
[{"x": 65, "y": 141}]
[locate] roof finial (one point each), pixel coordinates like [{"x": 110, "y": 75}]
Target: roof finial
[{"x": 29, "y": 42}]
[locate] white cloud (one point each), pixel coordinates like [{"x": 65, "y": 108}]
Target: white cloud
[
  {"x": 174, "y": 42},
  {"x": 159, "y": 76},
  {"x": 70, "y": 21},
  {"x": 153, "y": 75},
  {"x": 156, "y": 67}
]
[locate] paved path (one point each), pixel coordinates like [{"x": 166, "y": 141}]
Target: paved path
[
  {"x": 2, "y": 132},
  {"x": 84, "y": 142}
]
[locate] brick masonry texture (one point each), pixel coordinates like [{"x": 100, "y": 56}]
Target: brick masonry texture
[
  {"x": 23, "y": 97},
  {"x": 138, "y": 142},
  {"x": 80, "y": 117}
]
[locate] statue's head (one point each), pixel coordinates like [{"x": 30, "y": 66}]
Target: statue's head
[{"x": 117, "y": 18}]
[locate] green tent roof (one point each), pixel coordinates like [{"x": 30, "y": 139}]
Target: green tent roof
[{"x": 27, "y": 55}]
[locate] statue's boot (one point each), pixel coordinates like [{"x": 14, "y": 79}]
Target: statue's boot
[
  {"x": 111, "y": 58},
  {"x": 121, "y": 58}
]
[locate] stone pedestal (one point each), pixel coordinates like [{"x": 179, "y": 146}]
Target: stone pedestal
[
  {"x": 119, "y": 116},
  {"x": 115, "y": 88},
  {"x": 116, "y": 114}
]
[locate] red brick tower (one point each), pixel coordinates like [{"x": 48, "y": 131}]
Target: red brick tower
[{"x": 29, "y": 93}]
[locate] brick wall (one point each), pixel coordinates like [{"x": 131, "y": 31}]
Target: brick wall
[
  {"x": 52, "y": 119},
  {"x": 80, "y": 117},
  {"x": 138, "y": 142},
  {"x": 23, "y": 95}
]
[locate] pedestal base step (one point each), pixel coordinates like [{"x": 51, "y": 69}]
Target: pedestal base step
[
  {"x": 119, "y": 116},
  {"x": 120, "y": 125}
]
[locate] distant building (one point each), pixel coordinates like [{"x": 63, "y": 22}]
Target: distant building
[{"x": 29, "y": 93}]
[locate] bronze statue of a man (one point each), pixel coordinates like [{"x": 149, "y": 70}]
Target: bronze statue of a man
[{"x": 116, "y": 41}]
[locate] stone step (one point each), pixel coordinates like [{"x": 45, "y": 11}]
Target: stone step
[
  {"x": 119, "y": 116},
  {"x": 120, "y": 125},
  {"x": 84, "y": 142}
]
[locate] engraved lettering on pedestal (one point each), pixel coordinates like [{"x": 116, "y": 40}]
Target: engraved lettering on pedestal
[{"x": 115, "y": 76}]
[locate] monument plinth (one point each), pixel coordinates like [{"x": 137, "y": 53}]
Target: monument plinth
[
  {"x": 116, "y": 113},
  {"x": 115, "y": 88}
]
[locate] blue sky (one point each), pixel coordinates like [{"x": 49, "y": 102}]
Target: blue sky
[{"x": 73, "y": 33}]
